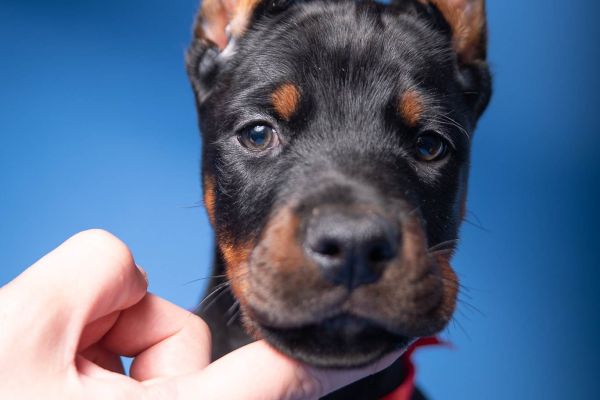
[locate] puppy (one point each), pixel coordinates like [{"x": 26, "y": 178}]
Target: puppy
[{"x": 335, "y": 159}]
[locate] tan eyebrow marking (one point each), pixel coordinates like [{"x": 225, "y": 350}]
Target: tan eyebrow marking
[
  {"x": 285, "y": 100},
  {"x": 411, "y": 107}
]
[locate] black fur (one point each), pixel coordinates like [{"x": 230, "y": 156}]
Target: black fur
[{"x": 351, "y": 61}]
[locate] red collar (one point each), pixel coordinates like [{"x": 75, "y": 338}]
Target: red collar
[{"x": 407, "y": 387}]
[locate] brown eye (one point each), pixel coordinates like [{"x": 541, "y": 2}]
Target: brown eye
[
  {"x": 431, "y": 147},
  {"x": 258, "y": 137}
]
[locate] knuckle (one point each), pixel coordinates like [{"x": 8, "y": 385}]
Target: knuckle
[
  {"x": 104, "y": 240},
  {"x": 101, "y": 243},
  {"x": 197, "y": 326},
  {"x": 111, "y": 259}
]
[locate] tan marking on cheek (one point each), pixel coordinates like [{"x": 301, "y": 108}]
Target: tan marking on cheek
[
  {"x": 278, "y": 255},
  {"x": 414, "y": 246},
  {"x": 411, "y": 107},
  {"x": 236, "y": 267},
  {"x": 234, "y": 256},
  {"x": 210, "y": 197},
  {"x": 450, "y": 282},
  {"x": 285, "y": 286},
  {"x": 285, "y": 100},
  {"x": 280, "y": 241}
]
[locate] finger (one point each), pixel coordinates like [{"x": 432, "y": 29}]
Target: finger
[
  {"x": 87, "y": 277},
  {"x": 261, "y": 373},
  {"x": 104, "y": 359},
  {"x": 165, "y": 339},
  {"x": 94, "y": 331},
  {"x": 98, "y": 383}
]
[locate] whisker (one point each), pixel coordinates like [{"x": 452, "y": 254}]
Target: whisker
[
  {"x": 232, "y": 308},
  {"x": 442, "y": 244},
  {"x": 233, "y": 317},
  {"x": 477, "y": 223},
  {"x": 449, "y": 122},
  {"x": 198, "y": 204},
  {"x": 414, "y": 210},
  {"x": 463, "y": 314},
  {"x": 441, "y": 251},
  {"x": 217, "y": 297},
  {"x": 471, "y": 307},
  {"x": 465, "y": 294},
  {"x": 457, "y": 125},
  {"x": 218, "y": 289},
  {"x": 477, "y": 219},
  {"x": 204, "y": 279},
  {"x": 456, "y": 322}
]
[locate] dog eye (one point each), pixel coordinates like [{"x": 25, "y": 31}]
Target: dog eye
[
  {"x": 431, "y": 147},
  {"x": 258, "y": 137}
]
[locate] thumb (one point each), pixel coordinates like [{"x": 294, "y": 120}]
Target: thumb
[{"x": 258, "y": 372}]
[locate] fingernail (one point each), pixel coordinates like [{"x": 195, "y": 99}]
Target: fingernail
[{"x": 144, "y": 273}]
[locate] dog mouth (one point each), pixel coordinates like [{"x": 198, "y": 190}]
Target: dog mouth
[
  {"x": 343, "y": 320},
  {"x": 349, "y": 330},
  {"x": 342, "y": 341}
]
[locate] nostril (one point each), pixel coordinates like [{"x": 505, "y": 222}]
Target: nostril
[
  {"x": 328, "y": 247},
  {"x": 380, "y": 252},
  {"x": 349, "y": 247}
]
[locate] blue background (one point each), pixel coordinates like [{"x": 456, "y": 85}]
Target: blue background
[{"x": 98, "y": 129}]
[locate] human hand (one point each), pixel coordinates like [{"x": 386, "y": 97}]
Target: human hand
[{"x": 65, "y": 322}]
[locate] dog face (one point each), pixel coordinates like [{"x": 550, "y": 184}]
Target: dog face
[{"x": 336, "y": 140}]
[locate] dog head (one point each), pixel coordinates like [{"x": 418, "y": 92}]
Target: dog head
[{"x": 336, "y": 142}]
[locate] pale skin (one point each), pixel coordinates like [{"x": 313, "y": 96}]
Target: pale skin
[{"x": 65, "y": 321}]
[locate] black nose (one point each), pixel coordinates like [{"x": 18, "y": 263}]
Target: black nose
[{"x": 351, "y": 248}]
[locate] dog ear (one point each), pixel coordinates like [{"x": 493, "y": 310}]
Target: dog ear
[
  {"x": 467, "y": 22},
  {"x": 219, "y": 24},
  {"x": 219, "y": 21},
  {"x": 468, "y": 28}
]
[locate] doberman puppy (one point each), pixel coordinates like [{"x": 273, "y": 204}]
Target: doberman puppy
[{"x": 336, "y": 145}]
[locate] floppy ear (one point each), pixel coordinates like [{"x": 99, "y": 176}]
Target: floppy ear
[{"x": 467, "y": 22}]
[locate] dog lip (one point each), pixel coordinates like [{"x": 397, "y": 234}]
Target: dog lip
[
  {"x": 344, "y": 341},
  {"x": 262, "y": 319},
  {"x": 266, "y": 315},
  {"x": 345, "y": 322}
]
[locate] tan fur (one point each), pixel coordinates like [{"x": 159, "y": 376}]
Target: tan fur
[
  {"x": 466, "y": 18},
  {"x": 241, "y": 16},
  {"x": 236, "y": 267},
  {"x": 451, "y": 285},
  {"x": 411, "y": 107},
  {"x": 218, "y": 16},
  {"x": 468, "y": 23},
  {"x": 414, "y": 245},
  {"x": 286, "y": 100},
  {"x": 210, "y": 198},
  {"x": 281, "y": 234}
]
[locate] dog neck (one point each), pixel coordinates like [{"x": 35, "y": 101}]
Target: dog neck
[{"x": 220, "y": 311}]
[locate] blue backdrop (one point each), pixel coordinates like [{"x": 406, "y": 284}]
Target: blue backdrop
[{"x": 98, "y": 129}]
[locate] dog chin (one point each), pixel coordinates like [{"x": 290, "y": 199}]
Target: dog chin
[{"x": 344, "y": 341}]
